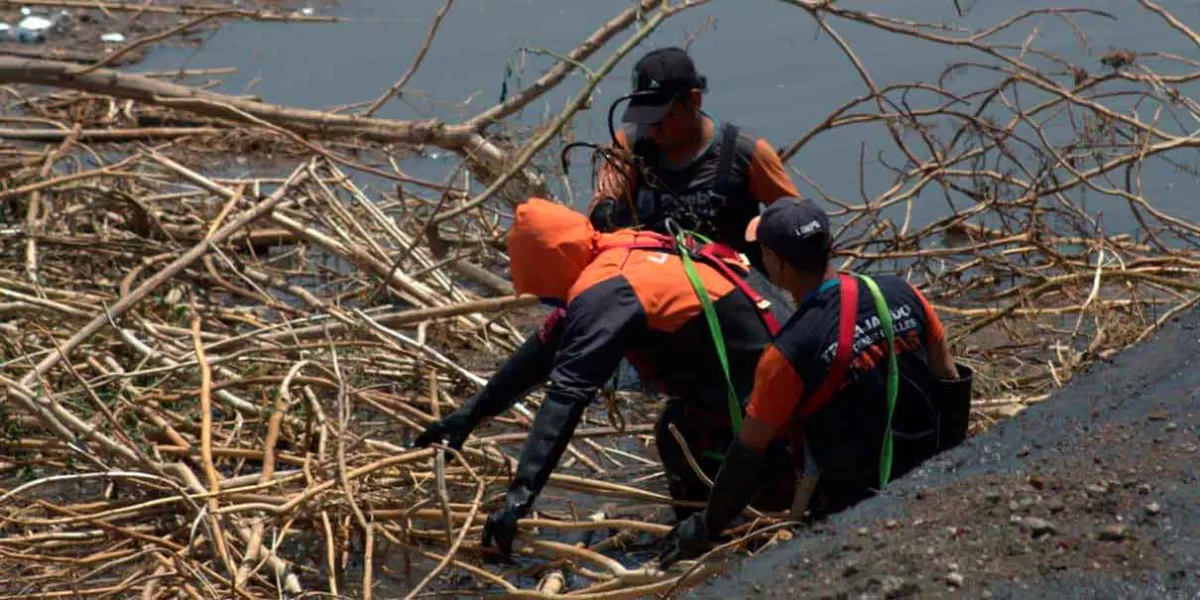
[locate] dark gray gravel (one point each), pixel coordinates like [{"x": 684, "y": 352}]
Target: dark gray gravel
[{"x": 1089, "y": 461}]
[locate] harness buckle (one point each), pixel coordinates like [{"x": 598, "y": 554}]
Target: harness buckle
[{"x": 763, "y": 304}]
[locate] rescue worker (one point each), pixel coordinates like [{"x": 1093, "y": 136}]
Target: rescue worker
[
  {"x": 828, "y": 379},
  {"x": 627, "y": 294},
  {"x": 707, "y": 176}
]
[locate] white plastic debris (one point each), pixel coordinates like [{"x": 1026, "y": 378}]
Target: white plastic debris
[
  {"x": 113, "y": 38},
  {"x": 35, "y": 23},
  {"x": 33, "y": 28},
  {"x": 306, "y": 11}
]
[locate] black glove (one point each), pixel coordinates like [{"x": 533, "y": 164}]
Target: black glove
[
  {"x": 731, "y": 493},
  {"x": 501, "y": 526},
  {"x": 609, "y": 215},
  {"x": 687, "y": 540},
  {"x": 527, "y": 367},
  {"x": 453, "y": 428}
]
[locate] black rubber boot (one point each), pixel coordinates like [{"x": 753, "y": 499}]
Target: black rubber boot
[{"x": 954, "y": 407}]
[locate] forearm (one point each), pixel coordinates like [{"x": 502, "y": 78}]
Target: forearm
[
  {"x": 737, "y": 482},
  {"x": 552, "y": 429},
  {"x": 941, "y": 361},
  {"x": 529, "y": 366}
]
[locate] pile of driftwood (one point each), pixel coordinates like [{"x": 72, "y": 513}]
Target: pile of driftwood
[{"x": 211, "y": 382}]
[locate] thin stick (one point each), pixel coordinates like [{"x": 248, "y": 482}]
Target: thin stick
[
  {"x": 462, "y": 534},
  {"x": 165, "y": 274},
  {"x": 581, "y": 100},
  {"x": 416, "y": 63},
  {"x": 206, "y": 456},
  {"x": 439, "y": 459}
]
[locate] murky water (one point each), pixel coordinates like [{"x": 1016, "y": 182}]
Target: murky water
[{"x": 769, "y": 69}]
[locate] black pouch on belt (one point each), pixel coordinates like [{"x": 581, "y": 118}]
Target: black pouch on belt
[{"x": 954, "y": 407}]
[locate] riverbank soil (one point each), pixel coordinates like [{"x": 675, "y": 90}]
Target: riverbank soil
[{"x": 1093, "y": 493}]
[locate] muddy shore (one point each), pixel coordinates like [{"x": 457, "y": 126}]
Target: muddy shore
[{"x": 1093, "y": 493}]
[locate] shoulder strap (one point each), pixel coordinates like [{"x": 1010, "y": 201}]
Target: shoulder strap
[
  {"x": 893, "y": 379},
  {"x": 711, "y": 255},
  {"x": 725, "y": 166},
  {"x": 845, "y": 341},
  {"x": 711, "y": 258},
  {"x": 708, "y": 255},
  {"x": 714, "y": 328}
]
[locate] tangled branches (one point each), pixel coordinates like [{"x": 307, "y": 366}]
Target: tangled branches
[
  {"x": 211, "y": 381},
  {"x": 1046, "y": 252}
]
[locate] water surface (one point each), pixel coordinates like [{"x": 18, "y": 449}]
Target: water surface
[{"x": 769, "y": 68}]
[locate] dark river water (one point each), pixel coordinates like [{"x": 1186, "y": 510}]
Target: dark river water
[{"x": 769, "y": 69}]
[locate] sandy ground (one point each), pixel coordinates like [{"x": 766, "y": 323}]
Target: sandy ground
[{"x": 1091, "y": 494}]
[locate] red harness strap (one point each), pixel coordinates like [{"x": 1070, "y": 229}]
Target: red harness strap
[
  {"x": 841, "y": 358},
  {"x": 710, "y": 253},
  {"x": 713, "y": 255}
]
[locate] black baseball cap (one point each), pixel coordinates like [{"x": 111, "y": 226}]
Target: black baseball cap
[
  {"x": 795, "y": 229},
  {"x": 658, "y": 78}
]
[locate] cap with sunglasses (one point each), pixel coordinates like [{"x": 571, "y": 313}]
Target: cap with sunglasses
[{"x": 659, "y": 78}]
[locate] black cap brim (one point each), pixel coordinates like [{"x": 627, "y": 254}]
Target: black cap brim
[{"x": 645, "y": 111}]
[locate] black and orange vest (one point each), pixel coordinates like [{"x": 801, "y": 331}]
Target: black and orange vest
[{"x": 710, "y": 196}]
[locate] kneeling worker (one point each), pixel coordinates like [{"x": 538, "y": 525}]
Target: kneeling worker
[
  {"x": 858, "y": 413},
  {"x": 627, "y": 294}
]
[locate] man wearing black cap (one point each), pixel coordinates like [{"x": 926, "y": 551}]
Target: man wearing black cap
[
  {"x": 705, "y": 176},
  {"x": 708, "y": 183},
  {"x": 859, "y": 414}
]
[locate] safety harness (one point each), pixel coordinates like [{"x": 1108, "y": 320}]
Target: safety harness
[
  {"x": 718, "y": 256},
  {"x": 844, "y": 354},
  {"x": 665, "y": 201}
]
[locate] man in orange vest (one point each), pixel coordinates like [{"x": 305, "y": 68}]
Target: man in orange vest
[
  {"x": 628, "y": 294},
  {"x": 702, "y": 175},
  {"x": 866, "y": 394}
]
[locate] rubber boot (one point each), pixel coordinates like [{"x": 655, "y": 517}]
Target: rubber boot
[{"x": 954, "y": 407}]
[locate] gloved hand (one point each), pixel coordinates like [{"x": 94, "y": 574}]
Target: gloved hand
[
  {"x": 607, "y": 215},
  {"x": 527, "y": 367},
  {"x": 453, "y": 428},
  {"x": 501, "y": 526},
  {"x": 686, "y": 541},
  {"x": 736, "y": 483}
]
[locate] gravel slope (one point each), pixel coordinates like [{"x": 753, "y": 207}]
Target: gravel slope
[{"x": 1091, "y": 494}]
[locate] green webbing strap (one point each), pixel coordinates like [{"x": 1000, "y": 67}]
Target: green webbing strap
[
  {"x": 714, "y": 327},
  {"x": 893, "y": 379}
]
